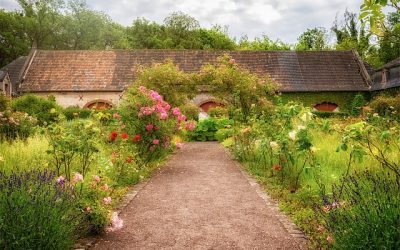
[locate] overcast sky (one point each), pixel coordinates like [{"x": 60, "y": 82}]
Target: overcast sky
[{"x": 283, "y": 19}]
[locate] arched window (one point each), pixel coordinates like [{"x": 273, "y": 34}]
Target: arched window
[
  {"x": 99, "y": 105},
  {"x": 209, "y": 104},
  {"x": 326, "y": 107}
]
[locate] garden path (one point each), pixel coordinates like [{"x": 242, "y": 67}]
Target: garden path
[{"x": 202, "y": 199}]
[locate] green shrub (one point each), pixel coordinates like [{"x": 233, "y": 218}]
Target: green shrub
[
  {"x": 386, "y": 105},
  {"x": 4, "y": 102},
  {"x": 223, "y": 134},
  {"x": 74, "y": 112},
  {"x": 364, "y": 212},
  {"x": 357, "y": 104},
  {"x": 46, "y": 111},
  {"x": 191, "y": 111},
  {"x": 206, "y": 129},
  {"x": 324, "y": 114},
  {"x": 35, "y": 212},
  {"x": 218, "y": 112},
  {"x": 15, "y": 125}
]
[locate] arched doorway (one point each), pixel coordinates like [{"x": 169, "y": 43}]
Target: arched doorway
[
  {"x": 209, "y": 104},
  {"x": 99, "y": 105},
  {"x": 326, "y": 107}
]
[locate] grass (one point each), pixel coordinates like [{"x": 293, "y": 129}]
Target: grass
[{"x": 24, "y": 154}]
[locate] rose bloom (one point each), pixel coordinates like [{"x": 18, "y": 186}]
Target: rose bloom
[
  {"x": 107, "y": 200},
  {"x": 137, "y": 138},
  {"x": 190, "y": 126},
  {"x": 96, "y": 178},
  {"x": 124, "y": 136},
  {"x": 156, "y": 141},
  {"x": 104, "y": 187},
  {"x": 176, "y": 111},
  {"x": 149, "y": 127},
  {"x": 77, "y": 178},
  {"x": 113, "y": 135},
  {"x": 329, "y": 239},
  {"x": 163, "y": 116},
  {"x": 277, "y": 167},
  {"x": 181, "y": 118}
]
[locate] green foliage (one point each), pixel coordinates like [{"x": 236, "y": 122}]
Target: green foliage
[
  {"x": 206, "y": 129},
  {"x": 264, "y": 43},
  {"x": 223, "y": 134},
  {"x": 173, "y": 84},
  {"x": 218, "y": 112},
  {"x": 357, "y": 104},
  {"x": 242, "y": 92},
  {"x": 313, "y": 39},
  {"x": 372, "y": 14},
  {"x": 46, "y": 111},
  {"x": 75, "y": 112},
  {"x": 15, "y": 125},
  {"x": 386, "y": 105},
  {"x": 35, "y": 213},
  {"x": 4, "y": 102},
  {"x": 191, "y": 111},
  {"x": 364, "y": 212}
]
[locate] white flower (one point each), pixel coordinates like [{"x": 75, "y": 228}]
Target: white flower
[
  {"x": 292, "y": 135},
  {"x": 375, "y": 115},
  {"x": 306, "y": 116},
  {"x": 274, "y": 144},
  {"x": 300, "y": 127},
  {"x": 116, "y": 222}
]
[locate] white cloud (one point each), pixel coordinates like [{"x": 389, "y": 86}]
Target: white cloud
[{"x": 284, "y": 19}]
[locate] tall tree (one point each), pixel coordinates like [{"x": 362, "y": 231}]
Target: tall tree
[
  {"x": 313, "y": 39},
  {"x": 263, "y": 43}
]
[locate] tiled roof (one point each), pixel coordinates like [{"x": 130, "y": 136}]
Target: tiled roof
[
  {"x": 14, "y": 71},
  {"x": 2, "y": 75},
  {"x": 391, "y": 64},
  {"x": 115, "y": 70}
]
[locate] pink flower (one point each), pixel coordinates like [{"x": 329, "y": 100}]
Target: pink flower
[
  {"x": 60, "y": 180},
  {"x": 96, "y": 178},
  {"x": 181, "y": 118},
  {"x": 329, "y": 239},
  {"x": 166, "y": 106},
  {"x": 156, "y": 141},
  {"x": 116, "y": 222},
  {"x": 190, "y": 126},
  {"x": 142, "y": 89},
  {"x": 145, "y": 111},
  {"x": 176, "y": 111},
  {"x": 155, "y": 96},
  {"x": 163, "y": 116},
  {"x": 159, "y": 108},
  {"x": 179, "y": 145},
  {"x": 149, "y": 127},
  {"x": 77, "y": 178},
  {"x": 116, "y": 116},
  {"x": 104, "y": 187},
  {"x": 107, "y": 200}
]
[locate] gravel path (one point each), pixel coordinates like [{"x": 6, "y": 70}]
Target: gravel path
[{"x": 202, "y": 199}]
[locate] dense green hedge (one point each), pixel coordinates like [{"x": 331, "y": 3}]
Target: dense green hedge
[{"x": 342, "y": 99}]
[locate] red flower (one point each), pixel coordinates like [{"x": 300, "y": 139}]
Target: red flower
[
  {"x": 129, "y": 159},
  {"x": 124, "y": 136},
  {"x": 137, "y": 138},
  {"x": 277, "y": 167},
  {"x": 113, "y": 135}
]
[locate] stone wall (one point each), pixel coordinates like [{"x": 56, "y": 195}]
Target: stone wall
[{"x": 66, "y": 99}]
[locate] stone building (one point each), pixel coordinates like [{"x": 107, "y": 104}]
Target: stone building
[
  {"x": 5, "y": 84},
  {"x": 387, "y": 77},
  {"x": 98, "y": 78}
]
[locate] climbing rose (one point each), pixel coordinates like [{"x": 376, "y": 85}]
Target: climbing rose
[
  {"x": 107, "y": 200},
  {"x": 116, "y": 222},
  {"x": 163, "y": 116},
  {"x": 113, "y": 135},
  {"x": 124, "y": 136},
  {"x": 156, "y": 141},
  {"x": 145, "y": 111},
  {"x": 77, "y": 178},
  {"x": 104, "y": 187},
  {"x": 277, "y": 167},
  {"x": 181, "y": 118},
  {"x": 190, "y": 126},
  {"x": 137, "y": 138},
  {"x": 176, "y": 111},
  {"x": 155, "y": 96},
  {"x": 149, "y": 127},
  {"x": 167, "y": 106}
]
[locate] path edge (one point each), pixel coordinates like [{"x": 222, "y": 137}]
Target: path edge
[{"x": 286, "y": 222}]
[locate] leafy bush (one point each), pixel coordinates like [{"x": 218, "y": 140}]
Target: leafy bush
[
  {"x": 191, "y": 111},
  {"x": 386, "y": 105},
  {"x": 35, "y": 212},
  {"x": 364, "y": 212},
  {"x": 218, "y": 112},
  {"x": 15, "y": 125},
  {"x": 223, "y": 134},
  {"x": 206, "y": 129},
  {"x": 74, "y": 112},
  {"x": 46, "y": 111},
  {"x": 357, "y": 104},
  {"x": 4, "y": 102},
  {"x": 324, "y": 114}
]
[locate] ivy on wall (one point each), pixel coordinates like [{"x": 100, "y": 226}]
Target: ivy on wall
[{"x": 342, "y": 99}]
